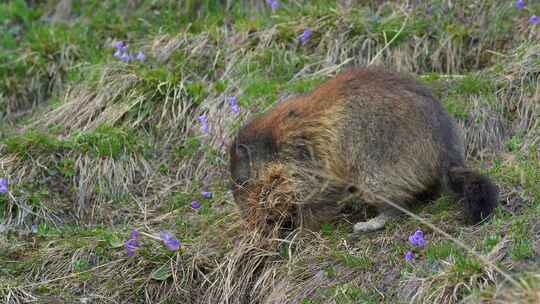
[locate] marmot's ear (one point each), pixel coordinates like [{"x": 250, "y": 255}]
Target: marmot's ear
[{"x": 238, "y": 151}]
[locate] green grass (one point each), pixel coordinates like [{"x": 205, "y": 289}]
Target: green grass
[
  {"x": 441, "y": 251},
  {"x": 33, "y": 143},
  {"x": 105, "y": 141},
  {"x": 521, "y": 237}
]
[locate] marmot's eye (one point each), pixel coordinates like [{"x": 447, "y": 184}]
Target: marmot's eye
[
  {"x": 293, "y": 113},
  {"x": 242, "y": 151}
]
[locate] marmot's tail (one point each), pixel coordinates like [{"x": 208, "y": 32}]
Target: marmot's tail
[{"x": 477, "y": 192}]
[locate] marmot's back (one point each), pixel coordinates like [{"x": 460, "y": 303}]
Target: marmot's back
[{"x": 397, "y": 136}]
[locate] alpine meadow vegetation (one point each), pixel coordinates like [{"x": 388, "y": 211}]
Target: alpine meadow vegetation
[{"x": 115, "y": 117}]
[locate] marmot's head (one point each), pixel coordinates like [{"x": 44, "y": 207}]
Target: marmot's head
[
  {"x": 250, "y": 153},
  {"x": 262, "y": 185}
]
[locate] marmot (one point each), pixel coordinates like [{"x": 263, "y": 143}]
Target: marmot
[{"x": 367, "y": 130}]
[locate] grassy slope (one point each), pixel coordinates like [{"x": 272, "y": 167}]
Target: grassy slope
[{"x": 94, "y": 147}]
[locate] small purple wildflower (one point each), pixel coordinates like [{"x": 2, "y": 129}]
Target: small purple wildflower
[
  {"x": 202, "y": 121},
  {"x": 408, "y": 255},
  {"x": 171, "y": 243},
  {"x": 120, "y": 45},
  {"x": 233, "y": 102},
  {"x": 118, "y": 54},
  {"x": 131, "y": 244},
  {"x": 417, "y": 239},
  {"x": 134, "y": 233},
  {"x": 520, "y": 4},
  {"x": 274, "y": 4},
  {"x": 534, "y": 19},
  {"x": 34, "y": 228},
  {"x": 305, "y": 35},
  {"x": 204, "y": 128},
  {"x": 206, "y": 194},
  {"x": 195, "y": 205},
  {"x": 125, "y": 57},
  {"x": 140, "y": 56},
  {"x": 202, "y": 118},
  {"x": 3, "y": 185}
]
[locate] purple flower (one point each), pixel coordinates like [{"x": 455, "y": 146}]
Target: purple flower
[
  {"x": 305, "y": 35},
  {"x": 3, "y": 185},
  {"x": 171, "y": 243},
  {"x": 233, "y": 102},
  {"x": 408, "y": 255},
  {"x": 274, "y": 4},
  {"x": 34, "y": 228},
  {"x": 520, "y": 4},
  {"x": 417, "y": 239},
  {"x": 131, "y": 244},
  {"x": 202, "y": 121},
  {"x": 120, "y": 45},
  {"x": 121, "y": 51},
  {"x": 206, "y": 194},
  {"x": 134, "y": 233},
  {"x": 204, "y": 128},
  {"x": 202, "y": 118},
  {"x": 140, "y": 56},
  {"x": 534, "y": 19},
  {"x": 118, "y": 54},
  {"x": 125, "y": 57},
  {"x": 195, "y": 205}
]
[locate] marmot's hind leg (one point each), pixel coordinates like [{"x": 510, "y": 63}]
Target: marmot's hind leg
[{"x": 377, "y": 222}]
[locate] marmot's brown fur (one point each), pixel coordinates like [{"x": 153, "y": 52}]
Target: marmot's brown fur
[{"x": 365, "y": 129}]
